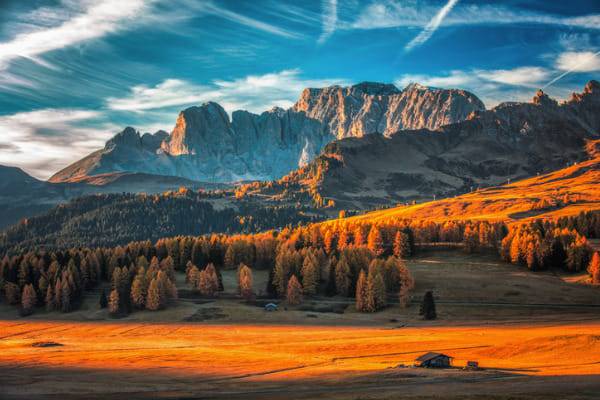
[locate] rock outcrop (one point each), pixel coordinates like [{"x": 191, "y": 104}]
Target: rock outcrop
[
  {"x": 369, "y": 108},
  {"x": 205, "y": 145}
]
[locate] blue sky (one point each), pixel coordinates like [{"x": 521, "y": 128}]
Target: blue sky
[{"x": 75, "y": 72}]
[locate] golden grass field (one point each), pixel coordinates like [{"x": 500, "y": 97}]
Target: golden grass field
[
  {"x": 536, "y": 336},
  {"x": 249, "y": 359}
]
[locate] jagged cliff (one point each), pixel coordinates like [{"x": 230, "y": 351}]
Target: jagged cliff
[
  {"x": 511, "y": 141},
  {"x": 206, "y": 145}
]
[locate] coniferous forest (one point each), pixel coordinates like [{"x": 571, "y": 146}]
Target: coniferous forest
[{"x": 349, "y": 258}]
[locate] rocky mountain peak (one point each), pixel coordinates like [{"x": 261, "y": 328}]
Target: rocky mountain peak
[
  {"x": 128, "y": 137},
  {"x": 542, "y": 99},
  {"x": 199, "y": 128},
  {"x": 592, "y": 86},
  {"x": 375, "y": 88},
  {"x": 205, "y": 144}
]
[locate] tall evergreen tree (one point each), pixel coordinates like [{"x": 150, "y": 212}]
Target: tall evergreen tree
[
  {"x": 401, "y": 245},
  {"x": 114, "y": 303},
  {"x": 594, "y": 269},
  {"x": 245, "y": 282},
  {"x": 139, "y": 289},
  {"x": 294, "y": 291},
  {"x": 103, "y": 302},
  {"x": 50, "y": 300},
  {"x": 428, "y": 306},
  {"x": 375, "y": 241},
  {"x": 342, "y": 277},
  {"x": 310, "y": 277},
  {"x": 362, "y": 292},
  {"x": 28, "y": 299},
  {"x": 153, "y": 302}
]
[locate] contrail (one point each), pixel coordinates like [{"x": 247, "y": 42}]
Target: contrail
[
  {"x": 432, "y": 26},
  {"x": 553, "y": 81},
  {"x": 329, "y": 19}
]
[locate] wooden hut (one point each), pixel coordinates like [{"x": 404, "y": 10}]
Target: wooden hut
[{"x": 433, "y": 360}]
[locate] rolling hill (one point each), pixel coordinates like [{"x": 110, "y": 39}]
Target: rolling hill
[{"x": 564, "y": 192}]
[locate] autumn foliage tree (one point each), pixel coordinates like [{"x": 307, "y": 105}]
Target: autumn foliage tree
[
  {"x": 594, "y": 269},
  {"x": 294, "y": 291},
  {"x": 245, "y": 282}
]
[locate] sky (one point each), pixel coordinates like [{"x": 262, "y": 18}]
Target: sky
[{"x": 75, "y": 72}]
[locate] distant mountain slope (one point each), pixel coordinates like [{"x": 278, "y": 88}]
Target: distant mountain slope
[
  {"x": 565, "y": 192},
  {"x": 115, "y": 219},
  {"x": 21, "y": 195},
  {"x": 206, "y": 145},
  {"x": 511, "y": 141}
]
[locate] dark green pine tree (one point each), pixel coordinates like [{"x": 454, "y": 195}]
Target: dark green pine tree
[
  {"x": 103, "y": 299},
  {"x": 428, "y": 307}
]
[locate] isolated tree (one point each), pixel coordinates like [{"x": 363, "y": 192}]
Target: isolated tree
[
  {"x": 103, "y": 299},
  {"x": 594, "y": 269},
  {"x": 294, "y": 291},
  {"x": 428, "y": 306},
  {"x": 245, "y": 282},
  {"x": 362, "y": 295},
  {"x": 114, "y": 306},
  {"x": 375, "y": 241},
  {"x": 28, "y": 299},
  {"x": 401, "y": 245}
]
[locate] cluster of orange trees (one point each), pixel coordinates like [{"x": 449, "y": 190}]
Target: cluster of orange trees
[{"x": 354, "y": 257}]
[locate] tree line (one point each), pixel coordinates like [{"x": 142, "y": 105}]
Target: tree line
[
  {"x": 354, "y": 258},
  {"x": 116, "y": 219}
]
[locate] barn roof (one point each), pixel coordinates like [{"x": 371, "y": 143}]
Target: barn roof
[{"x": 430, "y": 356}]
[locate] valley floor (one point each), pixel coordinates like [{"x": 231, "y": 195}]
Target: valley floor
[{"x": 535, "y": 336}]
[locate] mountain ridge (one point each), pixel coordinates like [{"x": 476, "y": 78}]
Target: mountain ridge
[{"x": 207, "y": 145}]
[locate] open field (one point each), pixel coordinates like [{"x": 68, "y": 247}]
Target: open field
[
  {"x": 262, "y": 361},
  {"x": 537, "y": 335}
]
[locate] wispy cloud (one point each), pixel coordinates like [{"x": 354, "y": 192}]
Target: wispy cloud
[
  {"x": 250, "y": 22},
  {"x": 255, "y": 93},
  {"x": 44, "y": 141},
  {"x": 96, "y": 20},
  {"x": 329, "y": 18},
  {"x": 432, "y": 26},
  {"x": 419, "y": 14}
]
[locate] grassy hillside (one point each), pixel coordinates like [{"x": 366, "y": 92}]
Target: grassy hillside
[{"x": 565, "y": 192}]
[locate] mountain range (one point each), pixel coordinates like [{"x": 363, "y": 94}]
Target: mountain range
[
  {"x": 511, "y": 141},
  {"x": 356, "y": 148},
  {"x": 206, "y": 145}
]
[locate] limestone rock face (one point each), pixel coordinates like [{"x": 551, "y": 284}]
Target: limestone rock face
[
  {"x": 369, "y": 108},
  {"x": 203, "y": 130},
  {"x": 207, "y": 145}
]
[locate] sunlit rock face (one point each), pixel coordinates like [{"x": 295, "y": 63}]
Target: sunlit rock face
[
  {"x": 511, "y": 141},
  {"x": 207, "y": 145},
  {"x": 369, "y": 108}
]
